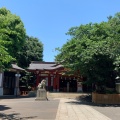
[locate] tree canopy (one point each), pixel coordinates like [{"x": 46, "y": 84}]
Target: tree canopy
[
  {"x": 93, "y": 50},
  {"x": 12, "y": 30},
  {"x": 14, "y": 43},
  {"x": 4, "y": 55},
  {"x": 32, "y": 50}
]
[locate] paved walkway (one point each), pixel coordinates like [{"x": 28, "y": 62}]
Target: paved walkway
[
  {"x": 28, "y": 109},
  {"x": 54, "y": 109},
  {"x": 69, "y": 110}
]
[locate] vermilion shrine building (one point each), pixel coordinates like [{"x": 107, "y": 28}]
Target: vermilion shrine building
[{"x": 53, "y": 74}]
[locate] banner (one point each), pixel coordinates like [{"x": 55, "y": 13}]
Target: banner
[{"x": 1, "y": 79}]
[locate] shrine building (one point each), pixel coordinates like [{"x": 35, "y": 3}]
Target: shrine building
[
  {"x": 56, "y": 79},
  {"x": 9, "y": 81}
]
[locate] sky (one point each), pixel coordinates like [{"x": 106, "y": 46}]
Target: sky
[{"x": 49, "y": 20}]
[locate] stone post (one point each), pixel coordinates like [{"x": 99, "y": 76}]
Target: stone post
[
  {"x": 17, "y": 91},
  {"x": 118, "y": 87},
  {"x": 68, "y": 86},
  {"x": 79, "y": 86},
  {"x": 1, "y": 83}
]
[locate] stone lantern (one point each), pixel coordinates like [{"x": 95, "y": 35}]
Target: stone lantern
[{"x": 118, "y": 85}]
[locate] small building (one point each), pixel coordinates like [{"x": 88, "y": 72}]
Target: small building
[
  {"x": 55, "y": 76},
  {"x": 9, "y": 81}
]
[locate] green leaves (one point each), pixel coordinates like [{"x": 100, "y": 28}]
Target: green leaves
[
  {"x": 11, "y": 29},
  {"x": 12, "y": 36},
  {"x": 14, "y": 43},
  {"x": 4, "y": 55},
  {"x": 32, "y": 50},
  {"x": 94, "y": 50}
]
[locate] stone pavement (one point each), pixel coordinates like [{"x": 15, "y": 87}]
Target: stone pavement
[
  {"x": 54, "y": 109},
  {"x": 69, "y": 110},
  {"x": 28, "y": 109}
]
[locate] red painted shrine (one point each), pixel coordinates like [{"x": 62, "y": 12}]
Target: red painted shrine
[{"x": 53, "y": 74}]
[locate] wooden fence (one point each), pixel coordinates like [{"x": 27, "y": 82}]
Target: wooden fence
[{"x": 106, "y": 98}]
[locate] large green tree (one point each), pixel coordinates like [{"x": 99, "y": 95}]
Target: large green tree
[
  {"x": 32, "y": 50},
  {"x": 12, "y": 30},
  {"x": 93, "y": 51},
  {"x": 5, "y": 58}
]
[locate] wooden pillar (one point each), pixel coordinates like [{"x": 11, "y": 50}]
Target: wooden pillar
[
  {"x": 57, "y": 82},
  {"x": 49, "y": 82},
  {"x": 38, "y": 78},
  {"x": 54, "y": 83}
]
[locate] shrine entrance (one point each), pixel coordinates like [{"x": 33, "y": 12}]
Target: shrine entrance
[{"x": 67, "y": 84}]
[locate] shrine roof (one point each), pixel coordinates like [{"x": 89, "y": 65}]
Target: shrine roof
[
  {"x": 15, "y": 67},
  {"x": 36, "y": 65}
]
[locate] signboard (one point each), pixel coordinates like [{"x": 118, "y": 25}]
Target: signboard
[{"x": 43, "y": 75}]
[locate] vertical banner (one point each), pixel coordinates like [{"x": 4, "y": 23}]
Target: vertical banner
[{"x": 1, "y": 79}]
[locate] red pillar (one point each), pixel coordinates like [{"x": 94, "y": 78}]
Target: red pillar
[
  {"x": 57, "y": 82},
  {"x": 54, "y": 83},
  {"x": 49, "y": 81},
  {"x": 37, "y": 79}
]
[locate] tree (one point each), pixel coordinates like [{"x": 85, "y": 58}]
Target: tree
[
  {"x": 31, "y": 51},
  {"x": 5, "y": 58},
  {"x": 11, "y": 30},
  {"x": 27, "y": 81},
  {"x": 93, "y": 51}
]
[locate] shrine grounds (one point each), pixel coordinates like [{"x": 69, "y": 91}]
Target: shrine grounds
[{"x": 67, "y": 107}]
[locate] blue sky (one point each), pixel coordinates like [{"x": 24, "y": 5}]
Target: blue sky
[{"x": 49, "y": 20}]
